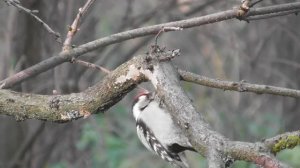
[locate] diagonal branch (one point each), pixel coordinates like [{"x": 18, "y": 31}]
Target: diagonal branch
[
  {"x": 66, "y": 56},
  {"x": 90, "y": 65},
  {"x": 63, "y": 108},
  {"x": 271, "y": 15},
  {"x": 241, "y": 86}
]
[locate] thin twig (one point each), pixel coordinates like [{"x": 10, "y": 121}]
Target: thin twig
[
  {"x": 271, "y": 15},
  {"x": 90, "y": 65},
  {"x": 18, "y": 5},
  {"x": 75, "y": 25},
  {"x": 241, "y": 86},
  {"x": 166, "y": 29}
]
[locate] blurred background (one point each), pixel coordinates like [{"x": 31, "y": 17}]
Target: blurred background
[{"x": 262, "y": 52}]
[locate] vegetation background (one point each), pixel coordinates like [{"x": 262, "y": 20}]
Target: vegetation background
[{"x": 263, "y": 52}]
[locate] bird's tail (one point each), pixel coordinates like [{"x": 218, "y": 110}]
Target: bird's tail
[{"x": 181, "y": 164}]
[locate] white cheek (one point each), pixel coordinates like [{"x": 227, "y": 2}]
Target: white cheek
[
  {"x": 136, "y": 112},
  {"x": 136, "y": 108}
]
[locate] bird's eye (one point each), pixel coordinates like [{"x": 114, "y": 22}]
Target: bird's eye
[{"x": 142, "y": 108}]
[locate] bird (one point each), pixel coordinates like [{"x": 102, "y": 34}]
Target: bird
[{"x": 158, "y": 132}]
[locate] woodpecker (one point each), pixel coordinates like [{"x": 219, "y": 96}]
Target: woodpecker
[{"x": 158, "y": 132}]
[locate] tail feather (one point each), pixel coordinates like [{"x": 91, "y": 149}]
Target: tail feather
[{"x": 181, "y": 164}]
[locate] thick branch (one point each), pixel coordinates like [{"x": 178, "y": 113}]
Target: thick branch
[
  {"x": 166, "y": 81},
  {"x": 119, "y": 37},
  {"x": 208, "y": 142},
  {"x": 62, "y": 108},
  {"x": 237, "y": 86},
  {"x": 214, "y": 158}
]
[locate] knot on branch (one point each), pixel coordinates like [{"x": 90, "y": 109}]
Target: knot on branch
[
  {"x": 245, "y": 5},
  {"x": 161, "y": 54},
  {"x": 156, "y": 55},
  {"x": 240, "y": 86},
  {"x": 243, "y": 9},
  {"x": 54, "y": 103}
]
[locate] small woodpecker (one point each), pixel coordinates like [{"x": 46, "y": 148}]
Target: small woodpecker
[{"x": 158, "y": 132}]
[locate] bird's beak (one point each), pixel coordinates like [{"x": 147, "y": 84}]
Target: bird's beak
[{"x": 151, "y": 96}]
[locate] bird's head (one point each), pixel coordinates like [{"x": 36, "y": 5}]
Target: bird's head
[{"x": 141, "y": 101}]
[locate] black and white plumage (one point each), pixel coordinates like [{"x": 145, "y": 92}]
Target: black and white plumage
[{"x": 157, "y": 131}]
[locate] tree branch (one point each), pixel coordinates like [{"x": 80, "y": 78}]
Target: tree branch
[
  {"x": 241, "y": 86},
  {"x": 63, "y": 108},
  {"x": 214, "y": 158},
  {"x": 149, "y": 30},
  {"x": 271, "y": 15},
  {"x": 206, "y": 141},
  {"x": 273, "y": 9},
  {"x": 287, "y": 140},
  {"x": 16, "y": 3},
  {"x": 167, "y": 85},
  {"x": 164, "y": 77},
  {"x": 90, "y": 65},
  {"x": 76, "y": 23}
]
